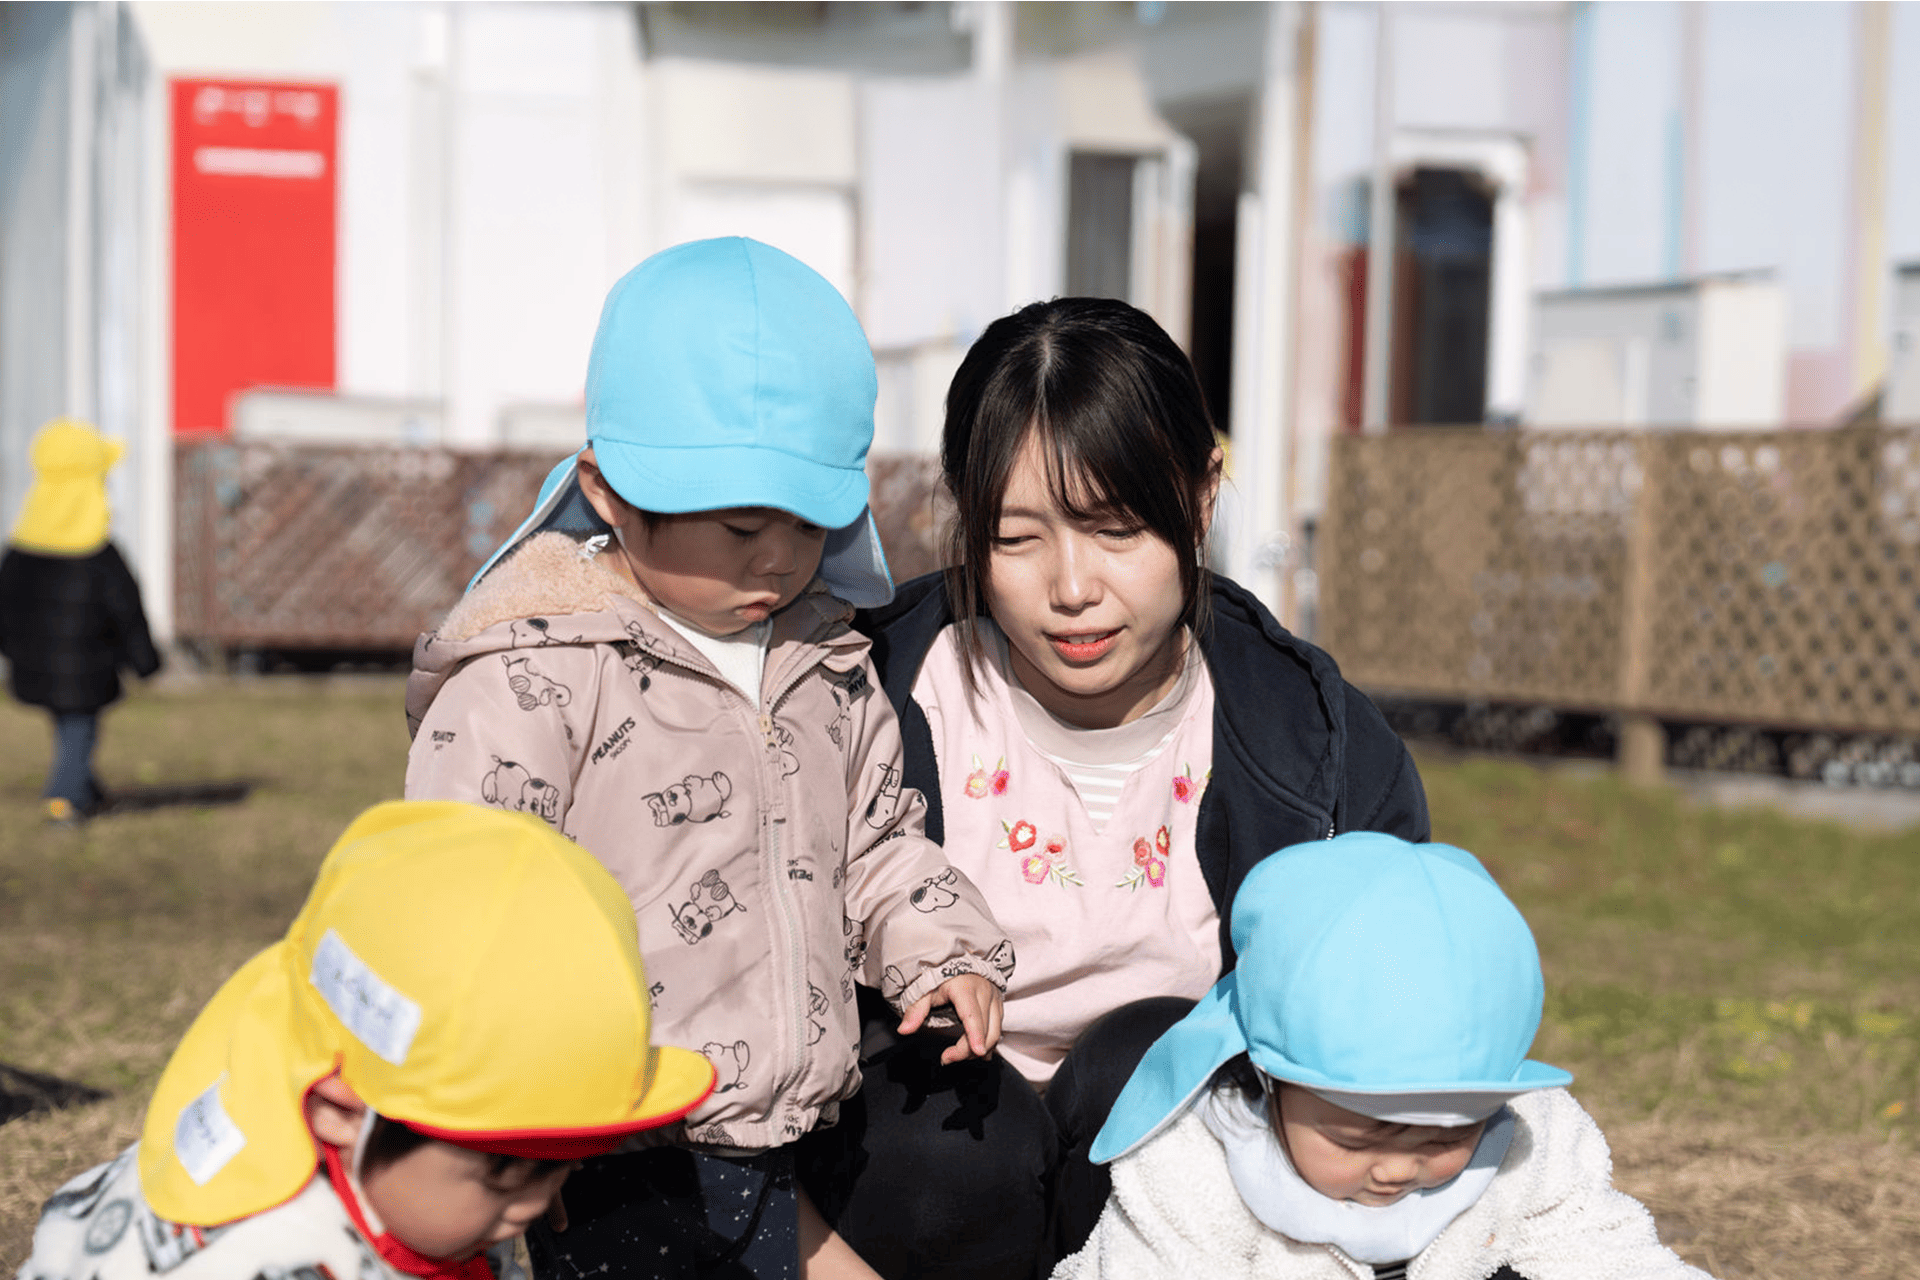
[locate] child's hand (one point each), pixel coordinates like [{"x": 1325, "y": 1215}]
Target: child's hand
[{"x": 976, "y": 1002}]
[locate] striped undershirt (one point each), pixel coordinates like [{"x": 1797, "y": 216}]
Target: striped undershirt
[{"x": 1100, "y": 762}]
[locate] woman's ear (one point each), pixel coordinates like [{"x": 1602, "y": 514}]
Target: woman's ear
[
  {"x": 607, "y": 504},
  {"x": 334, "y": 1112},
  {"x": 1216, "y": 467}
]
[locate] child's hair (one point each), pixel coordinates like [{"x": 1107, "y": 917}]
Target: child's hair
[
  {"x": 1238, "y": 1072},
  {"x": 1121, "y": 420},
  {"x": 392, "y": 1139}
]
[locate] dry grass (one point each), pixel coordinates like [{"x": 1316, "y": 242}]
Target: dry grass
[
  {"x": 112, "y": 936},
  {"x": 1737, "y": 993}
]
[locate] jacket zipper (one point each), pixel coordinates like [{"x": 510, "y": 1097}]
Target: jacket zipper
[
  {"x": 789, "y": 916},
  {"x": 776, "y": 877}
]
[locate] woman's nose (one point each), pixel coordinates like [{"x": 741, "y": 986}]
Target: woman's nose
[{"x": 1076, "y": 584}]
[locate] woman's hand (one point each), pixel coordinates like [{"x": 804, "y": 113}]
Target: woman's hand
[{"x": 976, "y": 1002}]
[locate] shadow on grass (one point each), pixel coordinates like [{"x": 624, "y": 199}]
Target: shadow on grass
[
  {"x": 24, "y": 1093},
  {"x": 191, "y": 795}
]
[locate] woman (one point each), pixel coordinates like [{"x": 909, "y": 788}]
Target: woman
[{"x": 1108, "y": 737}]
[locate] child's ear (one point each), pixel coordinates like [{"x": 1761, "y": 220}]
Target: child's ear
[
  {"x": 607, "y": 504},
  {"x": 334, "y": 1112}
]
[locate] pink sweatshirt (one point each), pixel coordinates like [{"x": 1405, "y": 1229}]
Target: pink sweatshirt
[{"x": 1099, "y": 917}]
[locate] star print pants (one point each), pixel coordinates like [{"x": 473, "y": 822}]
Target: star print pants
[{"x": 668, "y": 1213}]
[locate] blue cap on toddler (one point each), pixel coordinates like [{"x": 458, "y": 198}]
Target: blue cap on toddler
[
  {"x": 725, "y": 373},
  {"x": 1389, "y": 978}
]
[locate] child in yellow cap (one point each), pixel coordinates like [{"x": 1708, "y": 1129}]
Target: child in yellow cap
[
  {"x": 70, "y": 615},
  {"x": 400, "y": 1085}
]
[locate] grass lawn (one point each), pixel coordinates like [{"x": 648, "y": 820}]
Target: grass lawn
[{"x": 1737, "y": 993}]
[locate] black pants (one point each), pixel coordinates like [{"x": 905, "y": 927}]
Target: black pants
[
  {"x": 966, "y": 1171},
  {"x": 668, "y": 1213}
]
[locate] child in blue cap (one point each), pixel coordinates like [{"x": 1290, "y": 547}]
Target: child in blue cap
[
  {"x": 660, "y": 664},
  {"x": 1355, "y": 1097}
]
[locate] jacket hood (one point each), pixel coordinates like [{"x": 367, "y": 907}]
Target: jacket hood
[
  {"x": 552, "y": 589},
  {"x": 65, "y": 512}
]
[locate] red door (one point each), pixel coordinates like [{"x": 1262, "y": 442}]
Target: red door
[{"x": 253, "y": 242}]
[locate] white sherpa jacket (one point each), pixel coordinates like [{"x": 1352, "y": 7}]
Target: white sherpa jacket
[
  {"x": 1550, "y": 1213},
  {"x": 771, "y": 855}
]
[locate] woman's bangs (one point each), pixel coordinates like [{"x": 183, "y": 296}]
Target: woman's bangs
[{"x": 1095, "y": 473}]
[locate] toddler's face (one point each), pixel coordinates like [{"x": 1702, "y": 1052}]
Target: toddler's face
[
  {"x": 1347, "y": 1156},
  {"x": 444, "y": 1201},
  {"x": 723, "y": 570}
]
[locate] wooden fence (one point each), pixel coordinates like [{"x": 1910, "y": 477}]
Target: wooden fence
[
  {"x": 307, "y": 547},
  {"x": 1757, "y": 577}
]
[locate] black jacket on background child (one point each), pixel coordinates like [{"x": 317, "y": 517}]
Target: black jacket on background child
[
  {"x": 68, "y": 624},
  {"x": 70, "y": 615}
]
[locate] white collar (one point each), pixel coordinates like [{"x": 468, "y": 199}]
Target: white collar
[{"x": 1277, "y": 1195}]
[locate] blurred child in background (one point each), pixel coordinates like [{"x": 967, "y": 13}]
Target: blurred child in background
[
  {"x": 659, "y": 663},
  {"x": 70, "y": 615},
  {"x": 401, "y": 1084},
  {"x": 1356, "y": 1096}
]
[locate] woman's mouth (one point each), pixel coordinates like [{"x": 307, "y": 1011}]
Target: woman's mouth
[{"x": 1083, "y": 646}]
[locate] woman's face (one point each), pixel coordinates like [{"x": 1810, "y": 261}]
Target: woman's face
[{"x": 1091, "y": 607}]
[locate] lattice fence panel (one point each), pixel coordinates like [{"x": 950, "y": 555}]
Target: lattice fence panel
[
  {"x": 311, "y": 547},
  {"x": 284, "y": 546},
  {"x": 1786, "y": 571},
  {"x": 1765, "y": 577},
  {"x": 1459, "y": 563}
]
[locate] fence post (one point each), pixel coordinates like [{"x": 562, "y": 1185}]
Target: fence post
[{"x": 1643, "y": 743}]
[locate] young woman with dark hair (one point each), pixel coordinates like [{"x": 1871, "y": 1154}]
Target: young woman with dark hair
[{"x": 1108, "y": 737}]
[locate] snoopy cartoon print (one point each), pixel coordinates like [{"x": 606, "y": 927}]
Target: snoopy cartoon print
[
  {"x": 783, "y": 742},
  {"x": 695, "y": 798},
  {"x": 535, "y": 633},
  {"x": 817, "y": 1008},
  {"x": 533, "y": 687},
  {"x": 638, "y": 653},
  {"x": 936, "y": 892},
  {"x": 886, "y": 801},
  {"x": 510, "y": 786},
  {"x": 729, "y": 1063},
  {"x": 709, "y": 901}
]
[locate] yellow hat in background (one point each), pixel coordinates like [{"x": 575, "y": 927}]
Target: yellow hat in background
[
  {"x": 65, "y": 513},
  {"x": 470, "y": 972}
]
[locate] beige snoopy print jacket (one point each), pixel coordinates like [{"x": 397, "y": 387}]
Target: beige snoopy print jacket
[{"x": 772, "y": 857}]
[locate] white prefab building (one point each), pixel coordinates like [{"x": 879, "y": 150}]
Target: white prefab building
[{"x": 1354, "y": 214}]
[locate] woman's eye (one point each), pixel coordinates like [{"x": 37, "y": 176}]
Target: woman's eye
[
  {"x": 741, "y": 533},
  {"x": 1011, "y": 540},
  {"x": 1123, "y": 534}
]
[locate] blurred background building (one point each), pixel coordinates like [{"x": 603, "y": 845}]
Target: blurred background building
[{"x": 392, "y": 224}]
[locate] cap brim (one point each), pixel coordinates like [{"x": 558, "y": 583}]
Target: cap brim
[
  {"x": 225, "y": 1135},
  {"x": 1531, "y": 1075},
  {"x": 681, "y": 1081},
  {"x": 1175, "y": 1069},
  {"x": 713, "y": 477}
]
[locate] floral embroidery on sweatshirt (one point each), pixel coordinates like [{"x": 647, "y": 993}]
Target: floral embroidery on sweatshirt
[
  {"x": 984, "y": 782},
  {"x": 1149, "y": 862},
  {"x": 1185, "y": 788},
  {"x": 1039, "y": 865}
]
